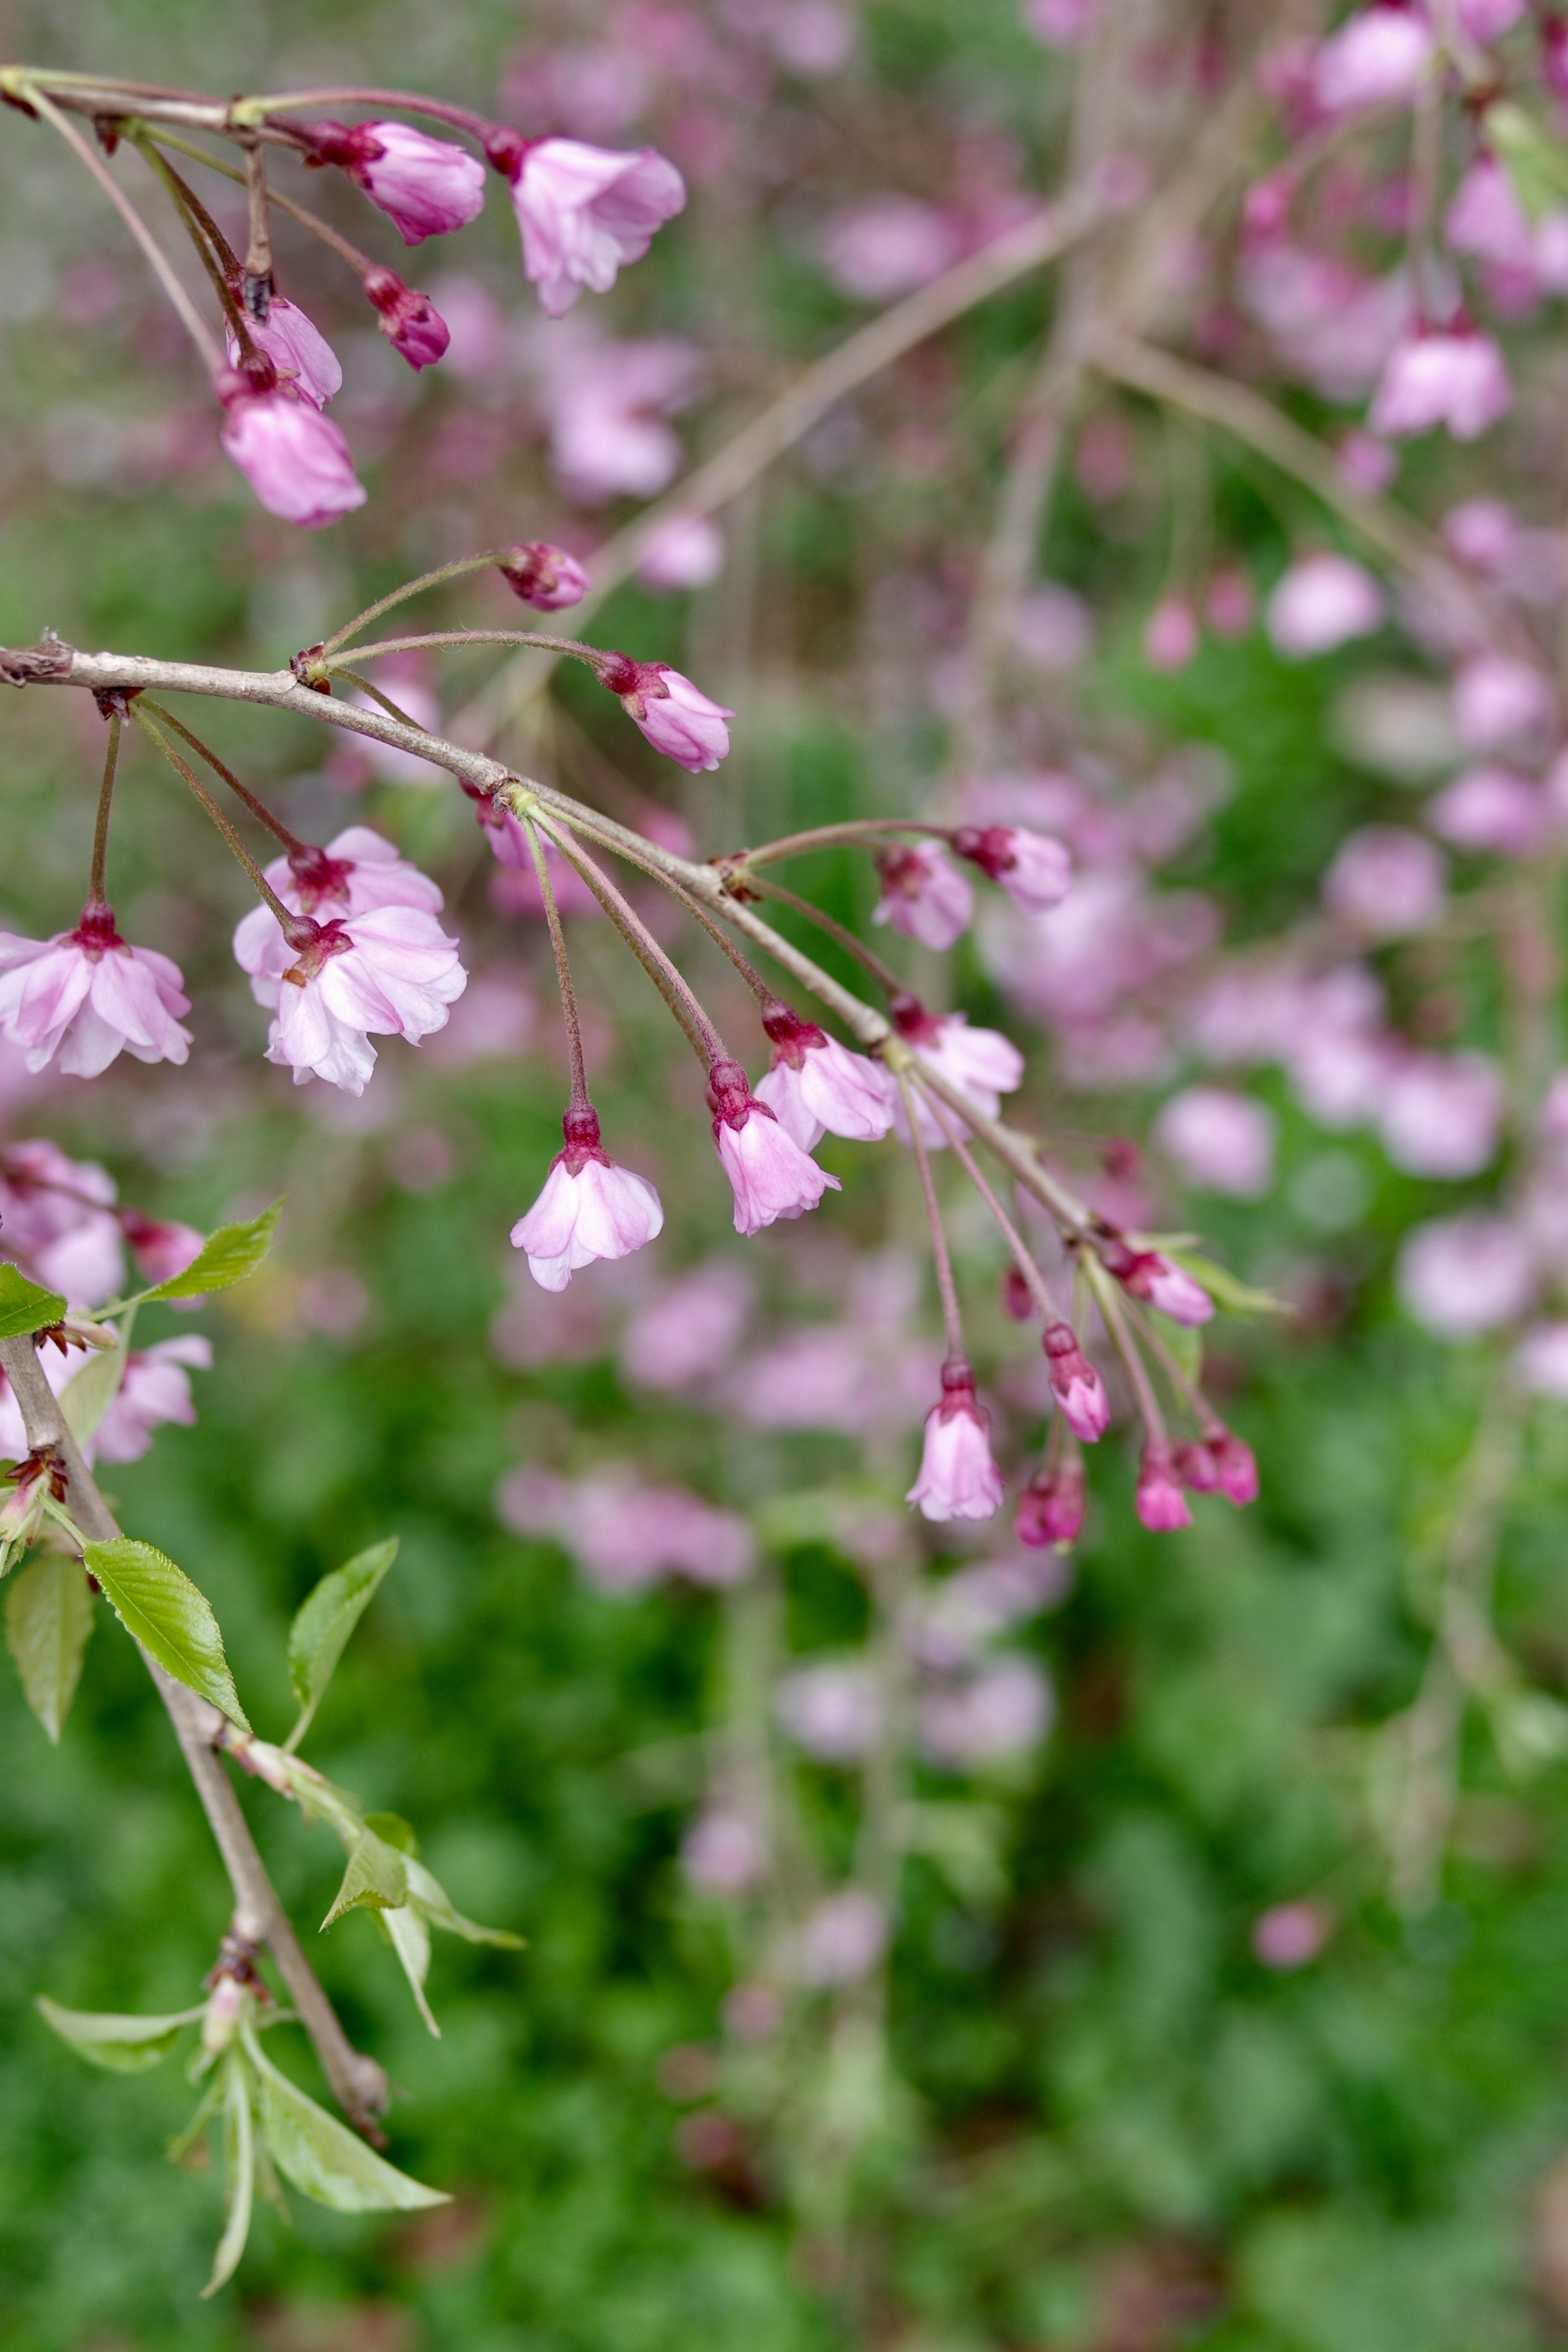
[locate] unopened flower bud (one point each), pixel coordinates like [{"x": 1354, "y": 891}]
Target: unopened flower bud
[
  {"x": 958, "y": 1479},
  {"x": 544, "y": 576},
  {"x": 1160, "y": 1502},
  {"x": 1196, "y": 1468},
  {"x": 1034, "y": 869},
  {"x": 409, "y": 320},
  {"x": 225, "y": 2004},
  {"x": 1076, "y": 1385},
  {"x": 1050, "y": 1508},
  {"x": 1236, "y": 1465},
  {"x": 1017, "y": 1299}
]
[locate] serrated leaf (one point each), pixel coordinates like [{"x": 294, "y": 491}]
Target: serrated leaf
[
  {"x": 125, "y": 2045},
  {"x": 393, "y": 1830},
  {"x": 410, "y": 1939},
  {"x": 321, "y": 2156},
  {"x": 25, "y": 1306},
  {"x": 225, "y": 1257},
  {"x": 90, "y": 1391},
  {"x": 171, "y": 1617},
  {"x": 238, "y": 2172},
  {"x": 323, "y": 1621},
  {"x": 432, "y": 1899},
  {"x": 49, "y": 1619},
  {"x": 377, "y": 1878}
]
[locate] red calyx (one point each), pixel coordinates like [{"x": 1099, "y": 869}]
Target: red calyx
[
  {"x": 505, "y": 148},
  {"x": 912, "y": 1020},
  {"x": 629, "y": 679},
  {"x": 96, "y": 930},
  {"x": 791, "y": 1037},
  {"x": 729, "y": 1096},
  {"x": 989, "y": 846},
  {"x": 314, "y": 944},
  {"x": 1017, "y": 1299},
  {"x": 957, "y": 1388},
  {"x": 580, "y": 1126},
  {"x": 319, "y": 876},
  {"x": 344, "y": 144}
]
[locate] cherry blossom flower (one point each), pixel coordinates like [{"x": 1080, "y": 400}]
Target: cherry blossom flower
[
  {"x": 1219, "y": 1139},
  {"x": 1076, "y": 1385},
  {"x": 1464, "y": 1274},
  {"x": 985, "y": 1063},
  {"x": 154, "y": 1387},
  {"x": 607, "y": 405},
  {"x": 923, "y": 894},
  {"x": 1236, "y": 1465},
  {"x": 389, "y": 971},
  {"x": 1050, "y": 1508},
  {"x": 1171, "y": 634},
  {"x": 675, "y": 717},
  {"x": 1387, "y": 881},
  {"x": 426, "y": 186},
  {"x": 833, "y": 1710},
  {"x": 295, "y": 459},
  {"x": 1321, "y": 602},
  {"x": 689, "y": 1331},
  {"x": 769, "y": 1174},
  {"x": 1440, "y": 1114},
  {"x": 84, "y": 996},
  {"x": 1159, "y": 1500},
  {"x": 56, "y": 1216},
  {"x": 818, "y": 1087},
  {"x": 1150, "y": 1275},
  {"x": 1490, "y": 809},
  {"x": 682, "y": 551},
  {"x": 409, "y": 320},
  {"x": 1442, "y": 377},
  {"x": 1375, "y": 58},
  {"x": 544, "y": 576},
  {"x": 1540, "y": 1361},
  {"x": 958, "y": 1479},
  {"x": 589, "y": 1208},
  {"x": 1485, "y": 217},
  {"x": 1034, "y": 869},
  {"x": 1488, "y": 20},
  {"x": 887, "y": 245},
  {"x": 1003, "y": 1709},
  {"x": 359, "y": 869},
  {"x": 586, "y": 212},
  {"x": 305, "y": 360},
  {"x": 1498, "y": 699}
]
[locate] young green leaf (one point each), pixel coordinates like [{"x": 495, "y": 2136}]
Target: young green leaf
[
  {"x": 1536, "y": 163},
  {"x": 325, "y": 1619},
  {"x": 238, "y": 2172},
  {"x": 25, "y": 1306},
  {"x": 321, "y": 2156},
  {"x": 377, "y": 1878},
  {"x": 48, "y": 1618},
  {"x": 90, "y": 1391},
  {"x": 432, "y": 1899},
  {"x": 410, "y": 1939},
  {"x": 1229, "y": 1294},
  {"x": 161, "y": 1608},
  {"x": 225, "y": 1257},
  {"x": 126, "y": 2045}
]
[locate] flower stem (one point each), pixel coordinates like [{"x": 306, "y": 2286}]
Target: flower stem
[
  {"x": 1126, "y": 1346},
  {"x": 593, "y": 655},
  {"x": 412, "y": 587},
  {"x": 562, "y": 968},
  {"x": 95, "y": 893},
  {"x": 361, "y": 263},
  {"x": 885, "y": 977},
  {"x": 824, "y": 837},
  {"x": 393, "y": 710},
  {"x": 946, "y": 1288},
  {"x": 670, "y": 983},
  {"x": 257, "y": 807},
  {"x": 288, "y": 920},
  {"x": 1014, "y": 1240}
]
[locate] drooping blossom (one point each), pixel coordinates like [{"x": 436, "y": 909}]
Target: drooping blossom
[
  {"x": 1498, "y": 699},
  {"x": 923, "y": 894},
  {"x": 301, "y": 354},
  {"x": 1050, "y": 1508},
  {"x": 958, "y": 1479},
  {"x": 586, "y": 212},
  {"x": 1003, "y": 1708},
  {"x": 843, "y": 1938},
  {"x": 682, "y": 551},
  {"x": 1171, "y": 634},
  {"x": 1454, "y": 377},
  {"x": 409, "y": 320},
  {"x": 1464, "y": 1274},
  {"x": 1375, "y": 59},
  {"x": 1322, "y": 601},
  {"x": 57, "y": 1218},
  {"x": 390, "y": 972},
  {"x": 1158, "y": 1498},
  {"x": 83, "y": 997},
  {"x": 162, "y": 1247},
  {"x": 544, "y": 576},
  {"x": 358, "y": 869},
  {"x": 1540, "y": 1360},
  {"x": 724, "y": 1852},
  {"x": 769, "y": 1174},
  {"x": 1035, "y": 870},
  {"x": 1288, "y": 1935},
  {"x": 818, "y": 1087},
  {"x": 607, "y": 404},
  {"x": 982, "y": 1062},
  {"x": 1219, "y": 1140},
  {"x": 833, "y": 1710},
  {"x": 589, "y": 1208},
  {"x": 154, "y": 1387},
  {"x": 887, "y": 246},
  {"x": 1386, "y": 880},
  {"x": 1485, "y": 217},
  {"x": 1150, "y": 1275},
  {"x": 295, "y": 459},
  {"x": 1440, "y": 1114},
  {"x": 1490, "y": 809},
  {"x": 426, "y": 186},
  {"x": 689, "y": 1331},
  {"x": 1076, "y": 1385},
  {"x": 675, "y": 717}
]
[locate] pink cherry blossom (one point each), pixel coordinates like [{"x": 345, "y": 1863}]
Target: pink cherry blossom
[
  {"x": 843, "y": 1939},
  {"x": 1034, "y": 869},
  {"x": 1288, "y": 1935},
  {"x": 887, "y": 245},
  {"x": 1464, "y": 1274},
  {"x": 1235, "y": 1464},
  {"x": 983, "y": 1063},
  {"x": 923, "y": 894},
  {"x": 1171, "y": 634},
  {"x": 1220, "y": 1140},
  {"x": 1050, "y": 1508},
  {"x": 161, "y": 1246},
  {"x": 305, "y": 360},
  {"x": 1366, "y": 464},
  {"x": 1060, "y": 24},
  {"x": 833, "y": 1710},
  {"x": 1483, "y": 533},
  {"x": 586, "y": 212},
  {"x": 1490, "y": 809},
  {"x": 682, "y": 551},
  {"x": 389, "y": 971},
  {"x": 1375, "y": 58},
  {"x": 1488, "y": 20},
  {"x": 589, "y": 1208},
  {"x": 1441, "y": 376},
  {"x": 818, "y": 1087},
  {"x": 687, "y": 1332},
  {"x": 607, "y": 405},
  {"x": 675, "y": 717},
  {"x": 1440, "y": 1114},
  {"x": 409, "y": 320},
  {"x": 1540, "y": 1361},
  {"x": 724, "y": 1852},
  {"x": 1321, "y": 602},
  {"x": 1498, "y": 699},
  {"x": 1003, "y": 1708},
  {"x": 1387, "y": 881},
  {"x": 769, "y": 1174},
  {"x": 57, "y": 1218},
  {"x": 544, "y": 576},
  {"x": 295, "y": 459},
  {"x": 1076, "y": 1385},
  {"x": 1150, "y": 1275},
  {"x": 426, "y": 186},
  {"x": 958, "y": 1479},
  {"x": 154, "y": 1387},
  {"x": 1158, "y": 1498},
  {"x": 84, "y": 996},
  {"x": 359, "y": 869},
  {"x": 1485, "y": 217}
]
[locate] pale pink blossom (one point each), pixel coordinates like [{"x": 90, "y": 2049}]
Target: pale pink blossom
[
  {"x": 607, "y": 405},
  {"x": 544, "y": 576},
  {"x": 627, "y": 1535},
  {"x": 1050, "y": 1508},
  {"x": 983, "y": 1063},
  {"x": 1150, "y": 1275},
  {"x": 586, "y": 212},
  {"x": 1498, "y": 699},
  {"x": 1387, "y": 881},
  {"x": 358, "y": 869},
  {"x": 1540, "y": 1361},
  {"x": 1483, "y": 533},
  {"x": 1220, "y": 1140},
  {"x": 409, "y": 320},
  {"x": 1375, "y": 58},
  {"x": 957, "y": 1479},
  {"x": 833, "y": 1710},
  {"x": 391, "y": 971},
  {"x": 1288, "y": 1935},
  {"x": 689, "y": 1331},
  {"x": 1442, "y": 377},
  {"x": 812, "y": 37},
  {"x": 426, "y": 186},
  {"x": 301, "y": 354},
  {"x": 1003, "y": 1709},
  {"x": 1464, "y": 1274},
  {"x": 1440, "y": 1114},
  {"x": 923, "y": 894},
  {"x": 154, "y": 1387},
  {"x": 295, "y": 459},
  {"x": 1158, "y": 1498},
  {"x": 1060, "y": 24},
  {"x": 57, "y": 1218},
  {"x": 724, "y": 1852},
  {"x": 1366, "y": 464},
  {"x": 1171, "y": 634},
  {"x": 83, "y": 997},
  {"x": 843, "y": 1939},
  {"x": 1034, "y": 869},
  {"x": 1076, "y": 1385},
  {"x": 818, "y": 1087},
  {"x": 769, "y": 1174},
  {"x": 589, "y": 1208},
  {"x": 1490, "y": 809},
  {"x": 1229, "y": 604},
  {"x": 681, "y": 551},
  {"x": 676, "y": 716},
  {"x": 1488, "y": 20},
  {"x": 1485, "y": 217},
  {"x": 887, "y": 245},
  {"x": 1322, "y": 601},
  {"x": 957, "y": 1618}
]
